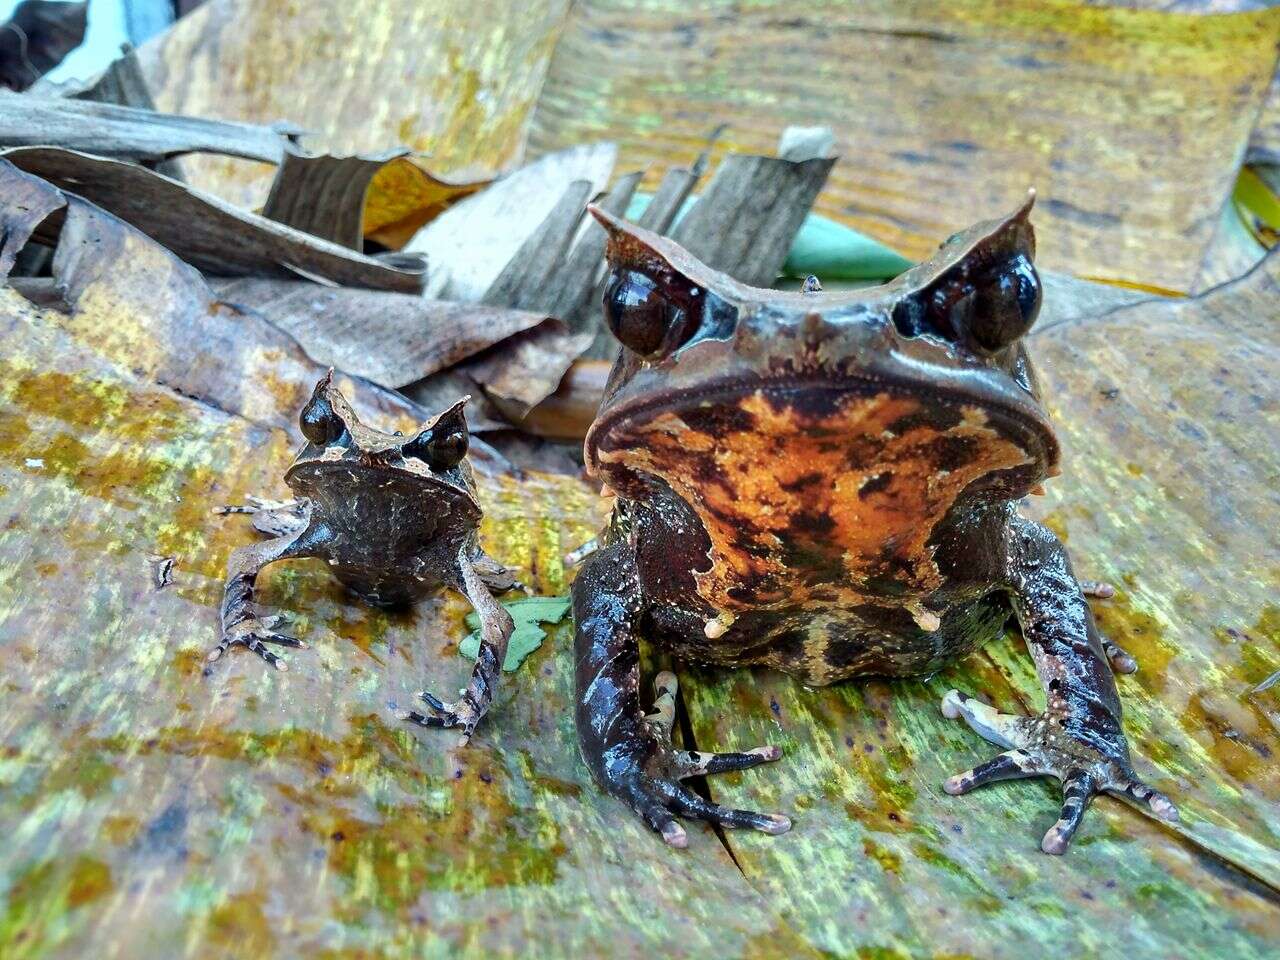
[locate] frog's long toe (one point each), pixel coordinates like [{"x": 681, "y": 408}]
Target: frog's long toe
[
  {"x": 1040, "y": 747},
  {"x": 659, "y": 797},
  {"x": 1121, "y": 660},
  {"x": 462, "y": 714},
  {"x": 255, "y": 633}
]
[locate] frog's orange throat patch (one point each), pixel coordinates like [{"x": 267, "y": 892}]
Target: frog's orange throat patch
[{"x": 801, "y": 508}]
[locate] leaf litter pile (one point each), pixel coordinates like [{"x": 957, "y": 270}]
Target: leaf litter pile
[{"x": 175, "y": 282}]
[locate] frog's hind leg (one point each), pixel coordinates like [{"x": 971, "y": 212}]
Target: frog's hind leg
[
  {"x": 629, "y": 753},
  {"x": 496, "y": 626},
  {"x": 240, "y": 624}
]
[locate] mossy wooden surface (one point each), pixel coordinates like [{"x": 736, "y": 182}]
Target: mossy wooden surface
[
  {"x": 1128, "y": 122},
  {"x": 153, "y": 807},
  {"x": 1171, "y": 429}
]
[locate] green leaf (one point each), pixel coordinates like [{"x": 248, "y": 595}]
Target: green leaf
[
  {"x": 527, "y": 637},
  {"x": 822, "y": 247}
]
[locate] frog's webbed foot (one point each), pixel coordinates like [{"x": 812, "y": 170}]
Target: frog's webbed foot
[
  {"x": 1121, "y": 660},
  {"x": 496, "y": 627},
  {"x": 645, "y": 773},
  {"x": 254, "y": 633},
  {"x": 1045, "y": 746},
  {"x": 241, "y": 625}
]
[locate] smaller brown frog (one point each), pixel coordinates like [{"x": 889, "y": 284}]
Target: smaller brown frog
[{"x": 396, "y": 517}]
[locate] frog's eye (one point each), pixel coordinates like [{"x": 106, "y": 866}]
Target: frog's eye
[
  {"x": 1006, "y": 306},
  {"x": 642, "y": 316},
  {"x": 442, "y": 445},
  {"x": 320, "y": 423}
]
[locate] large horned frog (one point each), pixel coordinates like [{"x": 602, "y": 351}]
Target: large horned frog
[{"x": 827, "y": 484}]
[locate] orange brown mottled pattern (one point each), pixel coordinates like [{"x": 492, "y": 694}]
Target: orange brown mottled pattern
[{"x": 852, "y": 491}]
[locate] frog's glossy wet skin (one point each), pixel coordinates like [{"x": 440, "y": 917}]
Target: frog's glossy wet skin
[
  {"x": 826, "y": 484},
  {"x": 395, "y": 517}
]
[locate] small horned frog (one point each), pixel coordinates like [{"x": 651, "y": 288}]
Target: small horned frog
[
  {"x": 396, "y": 517},
  {"x": 826, "y": 484}
]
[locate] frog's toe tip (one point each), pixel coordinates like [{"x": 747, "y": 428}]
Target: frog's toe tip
[
  {"x": 951, "y": 704},
  {"x": 674, "y": 836},
  {"x": 1056, "y": 839},
  {"x": 1165, "y": 810},
  {"x": 775, "y": 824},
  {"x": 767, "y": 753},
  {"x": 954, "y": 786},
  {"x": 213, "y": 655},
  {"x": 281, "y": 666},
  {"x": 1124, "y": 664},
  {"x": 1053, "y": 844},
  {"x": 402, "y": 714}
]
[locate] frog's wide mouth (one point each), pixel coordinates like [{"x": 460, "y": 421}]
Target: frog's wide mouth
[
  {"x": 817, "y": 399},
  {"x": 351, "y": 477}
]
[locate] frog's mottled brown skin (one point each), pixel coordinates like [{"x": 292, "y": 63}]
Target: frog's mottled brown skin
[
  {"x": 826, "y": 484},
  {"x": 396, "y": 518}
]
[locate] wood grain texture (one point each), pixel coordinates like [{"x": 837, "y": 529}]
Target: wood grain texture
[
  {"x": 1170, "y": 425},
  {"x": 454, "y": 78},
  {"x": 1129, "y": 123}
]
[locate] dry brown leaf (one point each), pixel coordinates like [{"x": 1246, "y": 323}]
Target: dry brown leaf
[
  {"x": 404, "y": 196},
  {"x": 203, "y": 230},
  {"x": 392, "y": 338},
  {"x": 131, "y": 133}
]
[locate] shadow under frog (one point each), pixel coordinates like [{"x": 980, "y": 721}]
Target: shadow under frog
[
  {"x": 826, "y": 484},
  {"x": 396, "y": 518}
]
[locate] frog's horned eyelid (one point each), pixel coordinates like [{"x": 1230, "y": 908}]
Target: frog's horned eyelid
[{"x": 457, "y": 407}]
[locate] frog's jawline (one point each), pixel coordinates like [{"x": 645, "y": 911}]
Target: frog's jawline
[
  {"x": 729, "y": 390},
  {"x": 312, "y": 468}
]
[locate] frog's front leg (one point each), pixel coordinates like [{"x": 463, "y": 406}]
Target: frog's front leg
[
  {"x": 496, "y": 626},
  {"x": 1079, "y": 738},
  {"x": 240, "y": 625},
  {"x": 629, "y": 754}
]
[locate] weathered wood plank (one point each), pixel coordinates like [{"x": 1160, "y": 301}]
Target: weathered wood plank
[
  {"x": 1169, "y": 418},
  {"x": 943, "y": 115}
]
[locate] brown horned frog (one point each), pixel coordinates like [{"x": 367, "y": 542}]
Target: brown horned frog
[
  {"x": 396, "y": 518},
  {"x": 827, "y": 484}
]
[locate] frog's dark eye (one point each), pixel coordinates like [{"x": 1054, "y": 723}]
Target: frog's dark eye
[
  {"x": 1006, "y": 306},
  {"x": 442, "y": 445},
  {"x": 643, "y": 317},
  {"x": 320, "y": 423}
]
